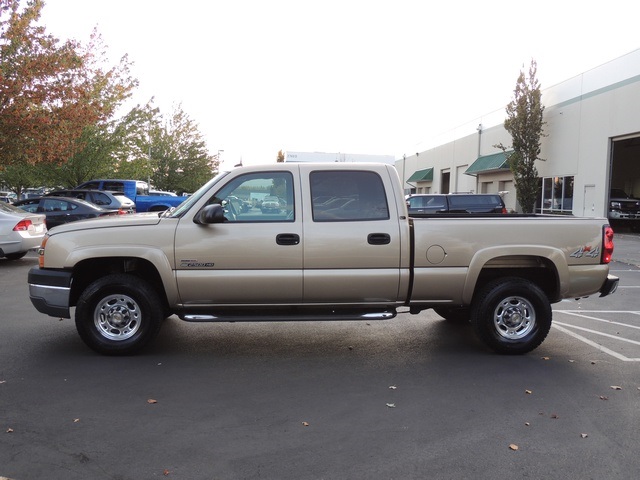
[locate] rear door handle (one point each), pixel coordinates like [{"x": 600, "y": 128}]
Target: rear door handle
[
  {"x": 287, "y": 239},
  {"x": 379, "y": 239}
]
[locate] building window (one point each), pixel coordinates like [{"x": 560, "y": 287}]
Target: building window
[{"x": 556, "y": 195}]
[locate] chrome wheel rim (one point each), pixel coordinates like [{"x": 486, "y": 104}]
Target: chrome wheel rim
[
  {"x": 117, "y": 317},
  {"x": 514, "y": 318}
]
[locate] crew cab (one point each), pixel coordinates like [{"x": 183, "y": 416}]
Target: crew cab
[{"x": 363, "y": 259}]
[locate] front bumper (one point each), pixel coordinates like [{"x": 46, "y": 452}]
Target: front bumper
[
  {"x": 609, "y": 286},
  {"x": 617, "y": 215},
  {"x": 49, "y": 291}
]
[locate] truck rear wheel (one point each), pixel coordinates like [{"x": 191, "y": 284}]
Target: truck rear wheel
[
  {"x": 511, "y": 315},
  {"x": 118, "y": 314}
]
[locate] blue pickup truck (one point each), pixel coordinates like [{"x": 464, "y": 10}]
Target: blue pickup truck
[{"x": 136, "y": 190}]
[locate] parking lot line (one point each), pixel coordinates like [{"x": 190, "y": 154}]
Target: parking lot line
[
  {"x": 609, "y": 322},
  {"x": 593, "y": 344},
  {"x": 602, "y": 334}
]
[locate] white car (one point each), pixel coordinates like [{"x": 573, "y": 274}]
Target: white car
[
  {"x": 20, "y": 231},
  {"x": 271, "y": 204}
]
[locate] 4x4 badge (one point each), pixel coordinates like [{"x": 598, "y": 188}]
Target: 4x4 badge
[{"x": 586, "y": 251}]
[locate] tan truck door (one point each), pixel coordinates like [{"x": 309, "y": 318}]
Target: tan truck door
[{"x": 351, "y": 237}]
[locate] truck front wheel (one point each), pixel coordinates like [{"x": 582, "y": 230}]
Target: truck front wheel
[
  {"x": 511, "y": 315},
  {"x": 118, "y": 314}
]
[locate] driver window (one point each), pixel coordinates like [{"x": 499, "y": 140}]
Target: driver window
[{"x": 258, "y": 197}]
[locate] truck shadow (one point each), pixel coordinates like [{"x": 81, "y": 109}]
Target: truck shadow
[{"x": 399, "y": 340}]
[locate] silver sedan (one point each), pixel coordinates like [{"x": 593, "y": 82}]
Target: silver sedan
[{"x": 20, "y": 231}]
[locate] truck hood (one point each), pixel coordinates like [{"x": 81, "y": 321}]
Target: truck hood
[{"x": 136, "y": 219}]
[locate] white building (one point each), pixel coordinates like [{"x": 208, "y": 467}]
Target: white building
[{"x": 592, "y": 144}]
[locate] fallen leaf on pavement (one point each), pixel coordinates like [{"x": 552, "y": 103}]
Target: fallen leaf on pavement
[
  {"x": 151, "y": 400},
  {"x": 9, "y": 430},
  {"x": 584, "y": 435},
  {"x": 305, "y": 424},
  {"x": 616, "y": 387},
  {"x": 528, "y": 392},
  {"x": 513, "y": 447},
  {"x": 602, "y": 397},
  {"x": 391, "y": 405},
  {"x": 392, "y": 387}
]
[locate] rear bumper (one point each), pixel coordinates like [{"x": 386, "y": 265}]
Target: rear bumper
[
  {"x": 49, "y": 291},
  {"x": 609, "y": 286}
]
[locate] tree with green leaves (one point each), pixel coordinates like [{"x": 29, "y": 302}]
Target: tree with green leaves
[
  {"x": 179, "y": 157},
  {"x": 114, "y": 149},
  {"x": 525, "y": 124},
  {"x": 51, "y": 91},
  {"x": 19, "y": 177}
]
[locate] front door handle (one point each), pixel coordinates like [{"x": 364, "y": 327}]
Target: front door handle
[
  {"x": 287, "y": 239},
  {"x": 379, "y": 239}
]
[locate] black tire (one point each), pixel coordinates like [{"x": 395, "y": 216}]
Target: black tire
[
  {"x": 511, "y": 315},
  {"x": 15, "y": 256},
  {"x": 119, "y": 314},
  {"x": 454, "y": 314}
]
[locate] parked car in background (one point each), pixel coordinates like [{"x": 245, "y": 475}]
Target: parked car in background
[
  {"x": 59, "y": 210},
  {"x": 20, "y": 231},
  {"x": 455, "y": 203},
  {"x": 136, "y": 190},
  {"x": 271, "y": 204},
  {"x": 7, "y": 197},
  {"x": 623, "y": 206},
  {"x": 105, "y": 199}
]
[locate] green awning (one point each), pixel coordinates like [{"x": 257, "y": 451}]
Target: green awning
[
  {"x": 424, "y": 175},
  {"x": 489, "y": 163}
]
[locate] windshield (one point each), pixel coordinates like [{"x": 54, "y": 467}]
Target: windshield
[
  {"x": 186, "y": 205},
  {"x": 619, "y": 193}
]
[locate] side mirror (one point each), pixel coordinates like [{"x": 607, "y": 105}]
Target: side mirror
[{"x": 210, "y": 214}]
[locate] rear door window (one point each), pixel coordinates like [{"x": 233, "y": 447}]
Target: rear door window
[
  {"x": 347, "y": 196},
  {"x": 115, "y": 186},
  {"x": 100, "y": 198}
]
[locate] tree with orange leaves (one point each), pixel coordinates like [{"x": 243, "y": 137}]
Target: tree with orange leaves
[{"x": 50, "y": 90}]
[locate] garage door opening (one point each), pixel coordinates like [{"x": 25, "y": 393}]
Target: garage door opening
[{"x": 624, "y": 191}]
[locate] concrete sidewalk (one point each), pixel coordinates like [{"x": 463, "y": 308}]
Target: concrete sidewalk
[{"x": 626, "y": 248}]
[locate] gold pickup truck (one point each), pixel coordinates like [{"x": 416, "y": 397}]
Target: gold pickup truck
[{"x": 339, "y": 246}]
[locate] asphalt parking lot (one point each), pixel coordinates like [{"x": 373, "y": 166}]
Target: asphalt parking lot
[{"x": 414, "y": 397}]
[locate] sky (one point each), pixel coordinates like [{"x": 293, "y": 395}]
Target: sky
[{"x": 348, "y": 76}]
